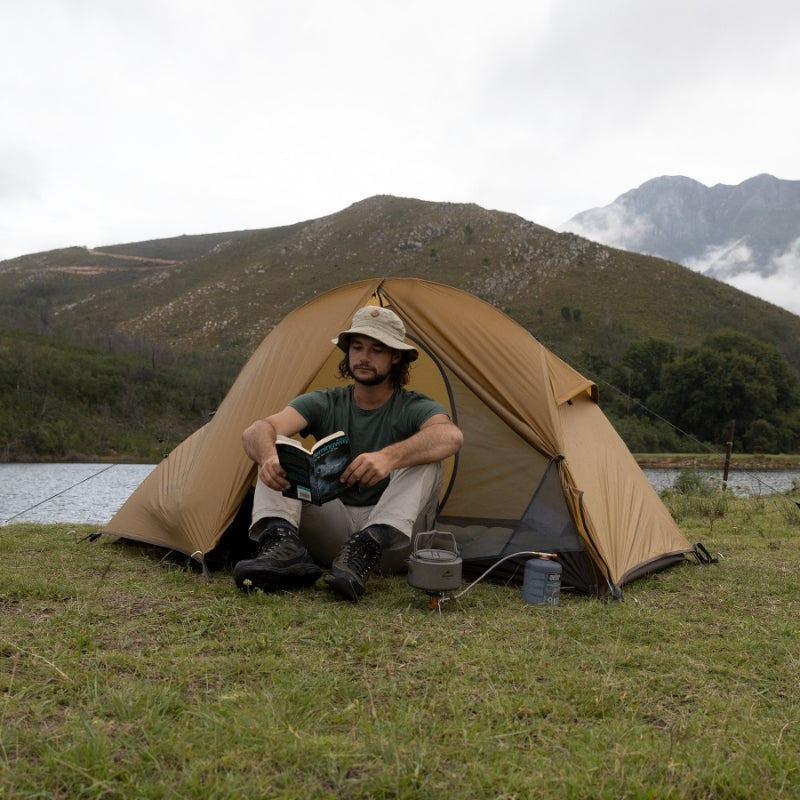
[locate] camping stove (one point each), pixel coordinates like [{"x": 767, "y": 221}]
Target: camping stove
[{"x": 435, "y": 565}]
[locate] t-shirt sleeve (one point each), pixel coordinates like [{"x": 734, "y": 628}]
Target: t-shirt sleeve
[
  {"x": 312, "y": 407},
  {"x": 422, "y": 408}
]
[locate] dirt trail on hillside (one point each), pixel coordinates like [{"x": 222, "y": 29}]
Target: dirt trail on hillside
[{"x": 132, "y": 258}]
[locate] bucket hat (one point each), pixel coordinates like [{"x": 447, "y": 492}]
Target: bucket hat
[{"x": 381, "y": 324}]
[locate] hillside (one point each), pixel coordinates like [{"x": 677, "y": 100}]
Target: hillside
[
  {"x": 223, "y": 292},
  {"x": 121, "y": 351},
  {"x": 65, "y": 401}
]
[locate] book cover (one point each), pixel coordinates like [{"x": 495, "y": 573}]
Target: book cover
[{"x": 314, "y": 474}]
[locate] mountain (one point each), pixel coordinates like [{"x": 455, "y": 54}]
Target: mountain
[
  {"x": 123, "y": 350},
  {"x": 747, "y": 235},
  {"x": 223, "y": 292}
]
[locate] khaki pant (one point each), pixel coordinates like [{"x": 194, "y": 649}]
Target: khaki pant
[{"x": 409, "y": 504}]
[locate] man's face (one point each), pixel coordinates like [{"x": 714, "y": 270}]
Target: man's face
[{"x": 370, "y": 360}]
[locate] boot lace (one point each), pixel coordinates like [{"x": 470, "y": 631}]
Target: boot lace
[
  {"x": 278, "y": 543},
  {"x": 361, "y": 553}
]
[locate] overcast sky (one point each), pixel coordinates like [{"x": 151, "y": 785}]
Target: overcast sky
[{"x": 138, "y": 120}]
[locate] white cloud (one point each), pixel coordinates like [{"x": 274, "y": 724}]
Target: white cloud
[
  {"x": 777, "y": 281},
  {"x": 723, "y": 261},
  {"x": 125, "y": 121},
  {"x": 781, "y": 290},
  {"x": 614, "y": 225}
]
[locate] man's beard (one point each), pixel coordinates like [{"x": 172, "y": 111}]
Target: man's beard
[{"x": 374, "y": 380}]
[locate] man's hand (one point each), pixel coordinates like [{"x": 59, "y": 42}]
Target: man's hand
[
  {"x": 367, "y": 469},
  {"x": 273, "y": 474},
  {"x": 259, "y": 443},
  {"x": 437, "y": 439}
]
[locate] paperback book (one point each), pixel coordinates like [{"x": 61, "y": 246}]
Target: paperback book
[{"x": 314, "y": 473}]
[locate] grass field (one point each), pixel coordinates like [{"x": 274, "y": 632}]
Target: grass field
[{"x": 127, "y": 675}]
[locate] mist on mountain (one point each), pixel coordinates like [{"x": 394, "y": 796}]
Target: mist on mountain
[{"x": 746, "y": 235}]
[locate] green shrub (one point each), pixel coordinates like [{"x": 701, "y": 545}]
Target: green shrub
[
  {"x": 694, "y": 482},
  {"x": 696, "y": 496}
]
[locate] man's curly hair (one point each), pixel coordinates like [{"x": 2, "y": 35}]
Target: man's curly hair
[{"x": 399, "y": 374}]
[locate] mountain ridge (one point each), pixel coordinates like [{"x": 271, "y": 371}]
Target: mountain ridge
[
  {"x": 723, "y": 231},
  {"x": 224, "y": 291}
]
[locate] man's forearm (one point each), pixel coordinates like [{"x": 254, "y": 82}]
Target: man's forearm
[
  {"x": 259, "y": 440},
  {"x": 433, "y": 443}
]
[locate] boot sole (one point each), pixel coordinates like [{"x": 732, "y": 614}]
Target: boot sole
[
  {"x": 344, "y": 587},
  {"x": 273, "y": 581}
]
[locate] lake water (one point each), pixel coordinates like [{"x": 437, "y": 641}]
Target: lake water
[
  {"x": 93, "y": 493},
  {"x": 90, "y": 493},
  {"x": 739, "y": 482}
]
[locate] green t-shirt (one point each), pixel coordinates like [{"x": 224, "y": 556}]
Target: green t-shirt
[{"x": 330, "y": 410}]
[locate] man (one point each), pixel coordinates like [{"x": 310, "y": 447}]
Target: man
[{"x": 398, "y": 441}]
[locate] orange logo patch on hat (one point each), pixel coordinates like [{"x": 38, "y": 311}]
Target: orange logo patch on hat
[{"x": 375, "y": 313}]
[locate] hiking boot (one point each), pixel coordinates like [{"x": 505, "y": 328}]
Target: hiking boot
[
  {"x": 282, "y": 563},
  {"x": 352, "y": 566}
]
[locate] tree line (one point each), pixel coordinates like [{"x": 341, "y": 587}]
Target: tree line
[
  {"x": 665, "y": 399},
  {"x": 64, "y": 400}
]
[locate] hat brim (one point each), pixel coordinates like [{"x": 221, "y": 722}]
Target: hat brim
[{"x": 341, "y": 341}]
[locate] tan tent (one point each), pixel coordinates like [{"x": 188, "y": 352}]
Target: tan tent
[{"x": 541, "y": 469}]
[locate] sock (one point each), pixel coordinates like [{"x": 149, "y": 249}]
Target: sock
[
  {"x": 260, "y": 526},
  {"x": 382, "y": 534}
]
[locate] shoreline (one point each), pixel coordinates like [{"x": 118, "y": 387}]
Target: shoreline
[{"x": 742, "y": 461}]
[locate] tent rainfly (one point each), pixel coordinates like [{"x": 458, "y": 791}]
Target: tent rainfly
[{"x": 542, "y": 469}]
